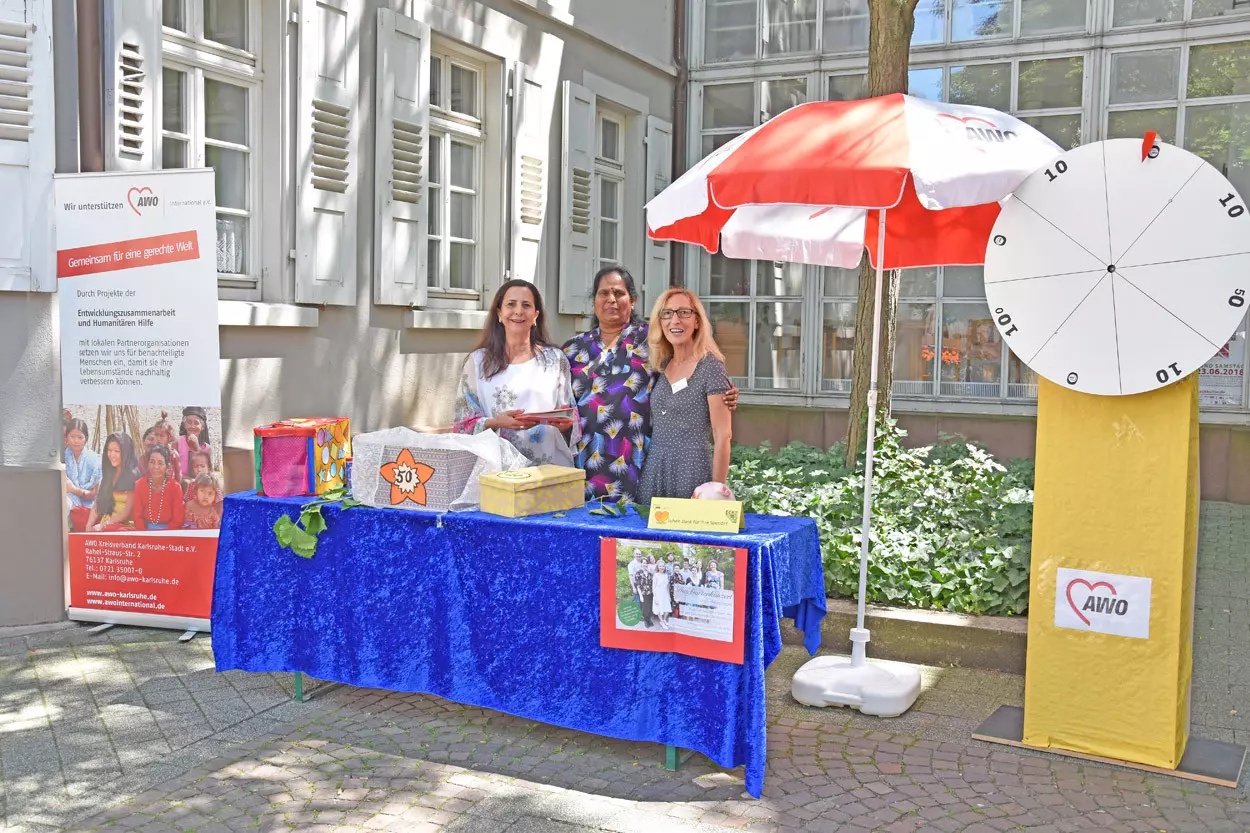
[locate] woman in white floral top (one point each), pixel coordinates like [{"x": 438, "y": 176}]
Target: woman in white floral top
[{"x": 514, "y": 371}]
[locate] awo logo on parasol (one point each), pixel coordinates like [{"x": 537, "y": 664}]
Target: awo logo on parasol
[
  {"x": 975, "y": 128},
  {"x": 1102, "y": 603}
]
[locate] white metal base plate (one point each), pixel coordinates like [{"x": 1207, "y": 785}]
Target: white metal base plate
[{"x": 873, "y": 688}]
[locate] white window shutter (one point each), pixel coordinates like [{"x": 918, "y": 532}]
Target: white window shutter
[
  {"x": 131, "y": 46},
  {"x": 531, "y": 170},
  {"x": 656, "y": 261},
  {"x": 577, "y": 203},
  {"x": 401, "y": 158},
  {"x": 328, "y": 152},
  {"x": 27, "y": 147}
]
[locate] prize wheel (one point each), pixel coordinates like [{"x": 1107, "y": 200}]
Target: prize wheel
[{"x": 1120, "y": 268}]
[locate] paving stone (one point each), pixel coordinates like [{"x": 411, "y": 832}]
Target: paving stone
[{"x": 129, "y": 717}]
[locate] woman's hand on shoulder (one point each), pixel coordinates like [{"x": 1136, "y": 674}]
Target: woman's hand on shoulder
[{"x": 731, "y": 397}]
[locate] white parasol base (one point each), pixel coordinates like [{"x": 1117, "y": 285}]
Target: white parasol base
[{"x": 877, "y": 689}]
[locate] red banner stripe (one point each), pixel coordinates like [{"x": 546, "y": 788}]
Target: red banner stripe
[{"x": 128, "y": 254}]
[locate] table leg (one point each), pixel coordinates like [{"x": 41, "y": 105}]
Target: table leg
[
  {"x": 672, "y": 761},
  {"x": 299, "y": 687}
]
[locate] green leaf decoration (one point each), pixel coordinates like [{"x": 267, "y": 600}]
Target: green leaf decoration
[
  {"x": 282, "y": 529},
  {"x": 560, "y": 515},
  {"x": 312, "y": 521},
  {"x": 303, "y": 543},
  {"x": 302, "y": 538},
  {"x": 599, "y": 511}
]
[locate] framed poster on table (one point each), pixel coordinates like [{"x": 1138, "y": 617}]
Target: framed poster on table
[{"x": 672, "y": 596}]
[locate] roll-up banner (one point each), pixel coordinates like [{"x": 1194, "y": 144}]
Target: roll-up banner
[{"x": 137, "y": 280}]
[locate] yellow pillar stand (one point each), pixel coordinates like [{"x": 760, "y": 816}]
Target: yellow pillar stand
[{"x": 1115, "y": 534}]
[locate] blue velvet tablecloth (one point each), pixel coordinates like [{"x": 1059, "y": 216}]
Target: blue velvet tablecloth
[{"x": 504, "y": 614}]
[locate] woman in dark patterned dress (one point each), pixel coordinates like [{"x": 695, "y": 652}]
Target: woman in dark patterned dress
[{"x": 612, "y": 388}]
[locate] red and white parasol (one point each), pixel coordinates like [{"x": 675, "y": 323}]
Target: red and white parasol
[
  {"x": 799, "y": 188},
  {"x": 814, "y": 185}
]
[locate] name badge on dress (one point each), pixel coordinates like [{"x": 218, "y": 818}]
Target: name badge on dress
[{"x": 679, "y": 386}]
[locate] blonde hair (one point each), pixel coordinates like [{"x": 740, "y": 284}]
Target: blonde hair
[{"x": 660, "y": 351}]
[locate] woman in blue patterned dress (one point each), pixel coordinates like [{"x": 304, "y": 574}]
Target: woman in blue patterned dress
[{"x": 612, "y": 388}]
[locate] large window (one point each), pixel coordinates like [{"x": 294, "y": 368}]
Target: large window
[
  {"x": 946, "y": 343},
  {"x": 1156, "y": 12},
  {"x": 747, "y": 30},
  {"x": 757, "y": 311},
  {"x": 457, "y": 135},
  {"x": 1194, "y": 96},
  {"x": 209, "y": 118}
]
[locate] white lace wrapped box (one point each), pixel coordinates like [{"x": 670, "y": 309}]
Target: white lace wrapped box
[{"x": 403, "y": 469}]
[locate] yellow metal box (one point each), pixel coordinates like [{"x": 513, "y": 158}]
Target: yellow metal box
[{"x": 533, "y": 491}]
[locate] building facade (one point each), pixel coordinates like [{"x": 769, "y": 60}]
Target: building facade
[
  {"x": 1079, "y": 71},
  {"x": 383, "y": 165},
  {"x": 381, "y": 168}
]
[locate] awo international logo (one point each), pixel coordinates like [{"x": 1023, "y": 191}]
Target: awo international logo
[
  {"x": 1102, "y": 603},
  {"x": 141, "y": 199},
  {"x": 978, "y": 130}
]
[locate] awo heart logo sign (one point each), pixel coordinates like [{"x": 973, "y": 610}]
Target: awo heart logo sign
[
  {"x": 141, "y": 198},
  {"x": 1103, "y": 603}
]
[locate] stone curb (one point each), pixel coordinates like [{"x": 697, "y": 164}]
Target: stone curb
[{"x": 926, "y": 637}]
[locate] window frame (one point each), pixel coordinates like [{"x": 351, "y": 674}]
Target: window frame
[
  {"x": 1184, "y": 23},
  {"x": 456, "y": 126},
  {"x": 699, "y": 32},
  {"x": 200, "y": 59},
  {"x": 610, "y": 170}
]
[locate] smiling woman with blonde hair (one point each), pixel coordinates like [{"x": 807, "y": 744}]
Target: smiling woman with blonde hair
[{"x": 691, "y": 427}]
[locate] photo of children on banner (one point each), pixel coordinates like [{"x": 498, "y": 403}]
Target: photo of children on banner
[{"x": 166, "y": 480}]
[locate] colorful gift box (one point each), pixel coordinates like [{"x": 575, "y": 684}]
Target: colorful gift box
[
  {"x": 302, "y": 456},
  {"x": 518, "y": 492}
]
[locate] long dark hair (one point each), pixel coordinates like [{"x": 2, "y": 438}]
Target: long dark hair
[
  {"x": 494, "y": 343},
  {"x": 126, "y": 474},
  {"x": 76, "y": 424},
  {"x": 628, "y": 280},
  {"x": 195, "y": 410}
]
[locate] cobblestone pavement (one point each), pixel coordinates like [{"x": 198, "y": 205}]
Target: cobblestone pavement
[{"x": 132, "y": 730}]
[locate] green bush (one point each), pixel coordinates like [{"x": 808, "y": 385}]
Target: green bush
[{"x": 951, "y": 525}]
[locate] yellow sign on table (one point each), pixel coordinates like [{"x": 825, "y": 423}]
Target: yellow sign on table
[
  {"x": 1115, "y": 533},
  {"x": 696, "y": 515}
]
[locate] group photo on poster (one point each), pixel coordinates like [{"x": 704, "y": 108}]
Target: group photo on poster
[
  {"x": 673, "y": 596},
  {"x": 144, "y": 468}
]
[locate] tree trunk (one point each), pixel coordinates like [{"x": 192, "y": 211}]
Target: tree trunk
[{"x": 889, "y": 45}]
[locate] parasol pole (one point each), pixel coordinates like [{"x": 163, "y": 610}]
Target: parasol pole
[{"x": 859, "y": 634}]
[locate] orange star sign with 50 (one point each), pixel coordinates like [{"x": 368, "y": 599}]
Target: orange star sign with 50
[{"x": 407, "y": 478}]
